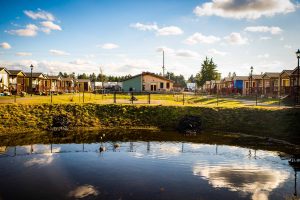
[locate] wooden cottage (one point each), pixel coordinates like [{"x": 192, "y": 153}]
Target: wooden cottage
[
  {"x": 4, "y": 79},
  {"x": 295, "y": 85},
  {"x": 16, "y": 81},
  {"x": 239, "y": 84},
  {"x": 149, "y": 82},
  {"x": 285, "y": 82},
  {"x": 271, "y": 84},
  {"x": 254, "y": 85},
  {"x": 55, "y": 83},
  {"x": 84, "y": 85},
  {"x": 226, "y": 86},
  {"x": 38, "y": 82},
  {"x": 68, "y": 85}
]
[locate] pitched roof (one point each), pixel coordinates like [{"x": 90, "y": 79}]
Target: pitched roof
[
  {"x": 226, "y": 79},
  {"x": 16, "y": 72},
  {"x": 288, "y": 72},
  {"x": 243, "y": 78},
  {"x": 53, "y": 77},
  {"x": 257, "y": 76},
  {"x": 3, "y": 68},
  {"x": 150, "y": 74},
  {"x": 271, "y": 74},
  {"x": 83, "y": 80},
  {"x": 67, "y": 79},
  {"x": 34, "y": 74}
]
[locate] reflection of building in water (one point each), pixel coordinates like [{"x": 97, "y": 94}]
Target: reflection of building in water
[
  {"x": 295, "y": 164},
  {"x": 245, "y": 178},
  {"x": 2, "y": 149}
]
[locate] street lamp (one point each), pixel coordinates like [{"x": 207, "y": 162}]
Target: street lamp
[
  {"x": 298, "y": 83},
  {"x": 251, "y": 68},
  {"x": 31, "y": 67}
]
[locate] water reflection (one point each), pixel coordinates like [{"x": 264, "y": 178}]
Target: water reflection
[
  {"x": 248, "y": 178},
  {"x": 247, "y": 173}
]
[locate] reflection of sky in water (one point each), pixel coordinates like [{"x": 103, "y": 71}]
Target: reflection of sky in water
[{"x": 145, "y": 166}]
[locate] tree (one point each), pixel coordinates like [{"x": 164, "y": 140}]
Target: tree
[
  {"x": 93, "y": 77},
  {"x": 192, "y": 79},
  {"x": 180, "y": 80},
  {"x": 83, "y": 76},
  {"x": 208, "y": 72}
]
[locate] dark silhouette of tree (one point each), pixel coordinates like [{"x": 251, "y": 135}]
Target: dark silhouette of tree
[{"x": 178, "y": 79}]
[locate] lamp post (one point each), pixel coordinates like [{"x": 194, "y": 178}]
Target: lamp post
[
  {"x": 298, "y": 77},
  {"x": 31, "y": 68},
  {"x": 251, "y": 68}
]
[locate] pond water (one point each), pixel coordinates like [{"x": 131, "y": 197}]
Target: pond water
[{"x": 143, "y": 170}]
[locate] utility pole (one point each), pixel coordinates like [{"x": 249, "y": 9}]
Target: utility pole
[{"x": 163, "y": 67}]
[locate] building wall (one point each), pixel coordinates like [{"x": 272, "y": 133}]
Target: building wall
[
  {"x": 156, "y": 83},
  {"x": 4, "y": 84},
  {"x": 134, "y": 84}
]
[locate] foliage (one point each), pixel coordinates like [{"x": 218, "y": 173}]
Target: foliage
[
  {"x": 178, "y": 79},
  {"x": 208, "y": 72}
]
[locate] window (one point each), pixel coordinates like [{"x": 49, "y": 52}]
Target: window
[
  {"x": 168, "y": 85},
  {"x": 143, "y": 87},
  {"x": 161, "y": 85}
]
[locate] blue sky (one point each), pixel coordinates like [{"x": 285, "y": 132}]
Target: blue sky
[{"x": 126, "y": 37}]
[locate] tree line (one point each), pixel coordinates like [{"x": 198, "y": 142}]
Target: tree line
[{"x": 208, "y": 71}]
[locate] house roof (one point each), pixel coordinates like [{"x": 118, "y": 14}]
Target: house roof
[
  {"x": 295, "y": 70},
  {"x": 257, "y": 76},
  {"x": 67, "y": 79},
  {"x": 150, "y": 74},
  {"x": 3, "y": 68},
  {"x": 83, "y": 80},
  {"x": 243, "y": 78},
  {"x": 15, "y": 72},
  {"x": 34, "y": 74},
  {"x": 53, "y": 77},
  {"x": 271, "y": 74},
  {"x": 288, "y": 72},
  {"x": 226, "y": 79}
]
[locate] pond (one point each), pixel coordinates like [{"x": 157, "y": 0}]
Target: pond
[{"x": 143, "y": 170}]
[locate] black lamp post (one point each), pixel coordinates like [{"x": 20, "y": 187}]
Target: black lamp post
[
  {"x": 298, "y": 83},
  {"x": 251, "y": 68},
  {"x": 31, "y": 68}
]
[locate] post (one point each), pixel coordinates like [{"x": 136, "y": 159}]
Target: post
[
  {"x": 51, "y": 96},
  {"x": 149, "y": 98},
  {"x": 298, "y": 77},
  {"x": 83, "y": 96},
  {"x": 79, "y": 96},
  {"x": 256, "y": 99},
  {"x": 115, "y": 97},
  {"x": 131, "y": 98},
  {"x": 183, "y": 98},
  {"x": 217, "y": 97},
  {"x": 15, "y": 98}
]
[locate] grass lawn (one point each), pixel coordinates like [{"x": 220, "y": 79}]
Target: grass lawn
[{"x": 155, "y": 99}]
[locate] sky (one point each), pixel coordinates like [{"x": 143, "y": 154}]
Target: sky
[{"x": 128, "y": 37}]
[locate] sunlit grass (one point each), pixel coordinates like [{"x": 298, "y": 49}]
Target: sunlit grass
[{"x": 142, "y": 99}]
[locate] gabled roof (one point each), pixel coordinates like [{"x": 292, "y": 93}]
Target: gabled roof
[
  {"x": 271, "y": 75},
  {"x": 295, "y": 70},
  {"x": 227, "y": 79},
  {"x": 288, "y": 72},
  {"x": 67, "y": 79},
  {"x": 16, "y": 72},
  {"x": 54, "y": 77},
  {"x": 150, "y": 74},
  {"x": 3, "y": 68},
  {"x": 243, "y": 78},
  {"x": 35, "y": 74},
  {"x": 83, "y": 80},
  {"x": 257, "y": 76}
]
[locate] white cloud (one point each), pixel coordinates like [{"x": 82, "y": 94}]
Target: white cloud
[
  {"x": 40, "y": 14},
  {"x": 23, "y": 54},
  {"x": 287, "y": 46},
  {"x": 247, "y": 9},
  {"x": 80, "y": 62},
  {"x": 265, "y": 38},
  {"x": 236, "y": 39},
  {"x": 5, "y": 45},
  {"x": 216, "y": 52},
  {"x": 266, "y": 55},
  {"x": 109, "y": 46},
  {"x": 169, "y": 30},
  {"x": 29, "y": 31},
  {"x": 58, "y": 52},
  {"x": 187, "y": 53},
  {"x": 165, "y": 49},
  {"x": 274, "y": 30},
  {"x": 199, "y": 38},
  {"x": 160, "y": 31},
  {"x": 49, "y": 25},
  {"x": 144, "y": 27}
]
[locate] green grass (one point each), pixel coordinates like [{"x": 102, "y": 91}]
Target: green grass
[{"x": 156, "y": 99}]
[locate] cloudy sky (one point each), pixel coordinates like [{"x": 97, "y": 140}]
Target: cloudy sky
[{"x": 127, "y": 37}]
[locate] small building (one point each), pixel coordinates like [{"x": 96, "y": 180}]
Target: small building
[
  {"x": 285, "y": 82},
  {"x": 239, "y": 84},
  {"x": 17, "y": 81},
  {"x": 84, "y": 85},
  {"x": 55, "y": 83},
  {"x": 271, "y": 84},
  {"x": 254, "y": 85},
  {"x": 67, "y": 85},
  {"x": 295, "y": 85},
  {"x": 38, "y": 82},
  {"x": 4, "y": 79},
  {"x": 206, "y": 87},
  {"x": 148, "y": 82},
  {"x": 226, "y": 86},
  {"x": 191, "y": 86},
  {"x": 215, "y": 86}
]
